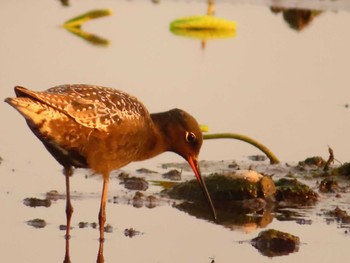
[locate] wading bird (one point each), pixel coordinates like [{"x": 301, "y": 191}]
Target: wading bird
[{"x": 104, "y": 129}]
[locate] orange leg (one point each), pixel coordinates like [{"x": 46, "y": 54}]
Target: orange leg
[
  {"x": 68, "y": 171},
  {"x": 102, "y": 214},
  {"x": 100, "y": 257}
]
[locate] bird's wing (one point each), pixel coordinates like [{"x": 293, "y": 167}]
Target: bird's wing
[{"x": 93, "y": 106}]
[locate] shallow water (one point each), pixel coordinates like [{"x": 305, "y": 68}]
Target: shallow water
[{"x": 288, "y": 89}]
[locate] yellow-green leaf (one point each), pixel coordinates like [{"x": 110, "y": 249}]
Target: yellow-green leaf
[
  {"x": 201, "y": 22},
  {"x": 91, "y": 38},
  {"x": 204, "y": 34},
  {"x": 204, "y": 128},
  {"x": 79, "y": 20}
]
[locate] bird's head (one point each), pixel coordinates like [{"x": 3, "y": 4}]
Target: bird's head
[{"x": 184, "y": 137}]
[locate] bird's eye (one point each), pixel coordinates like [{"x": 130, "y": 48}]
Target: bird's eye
[{"x": 190, "y": 137}]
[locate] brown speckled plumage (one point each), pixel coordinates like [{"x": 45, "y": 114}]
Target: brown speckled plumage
[{"x": 104, "y": 129}]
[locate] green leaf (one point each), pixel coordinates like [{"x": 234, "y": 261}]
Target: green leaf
[
  {"x": 91, "y": 38},
  {"x": 201, "y": 22},
  {"x": 203, "y": 34},
  {"x": 204, "y": 128},
  {"x": 79, "y": 20}
]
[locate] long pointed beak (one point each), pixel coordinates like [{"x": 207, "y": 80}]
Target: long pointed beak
[{"x": 195, "y": 167}]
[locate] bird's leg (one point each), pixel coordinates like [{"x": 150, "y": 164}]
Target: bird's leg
[
  {"x": 102, "y": 214},
  {"x": 68, "y": 171},
  {"x": 100, "y": 257}
]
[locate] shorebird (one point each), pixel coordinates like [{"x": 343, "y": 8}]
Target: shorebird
[{"x": 104, "y": 129}]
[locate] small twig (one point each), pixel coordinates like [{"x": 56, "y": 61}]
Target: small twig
[
  {"x": 264, "y": 149},
  {"x": 330, "y": 159}
]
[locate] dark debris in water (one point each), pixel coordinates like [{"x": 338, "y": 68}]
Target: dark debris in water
[
  {"x": 83, "y": 224},
  {"x": 145, "y": 171},
  {"x": 257, "y": 158},
  {"x": 63, "y": 227},
  {"x": 291, "y": 192},
  {"x": 139, "y": 200},
  {"x": 313, "y": 162},
  {"x": 108, "y": 228},
  {"x": 37, "y": 223},
  {"x": 344, "y": 170},
  {"x": 274, "y": 243},
  {"x": 135, "y": 183},
  {"x": 173, "y": 175},
  {"x": 288, "y": 214},
  {"x": 329, "y": 185},
  {"x": 242, "y": 197},
  {"x": 286, "y": 190},
  {"x": 54, "y": 195},
  {"x": 130, "y": 232},
  {"x": 340, "y": 215},
  {"x": 35, "y": 202},
  {"x": 123, "y": 175}
]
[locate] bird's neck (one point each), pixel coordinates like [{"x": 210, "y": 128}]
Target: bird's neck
[{"x": 157, "y": 141}]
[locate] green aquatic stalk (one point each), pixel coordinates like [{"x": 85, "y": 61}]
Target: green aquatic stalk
[{"x": 263, "y": 148}]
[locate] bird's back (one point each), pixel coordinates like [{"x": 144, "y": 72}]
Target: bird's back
[{"x": 84, "y": 125}]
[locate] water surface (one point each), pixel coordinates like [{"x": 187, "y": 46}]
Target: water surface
[{"x": 286, "y": 88}]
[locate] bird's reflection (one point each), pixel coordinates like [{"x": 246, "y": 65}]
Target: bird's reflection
[
  {"x": 66, "y": 256},
  {"x": 100, "y": 257}
]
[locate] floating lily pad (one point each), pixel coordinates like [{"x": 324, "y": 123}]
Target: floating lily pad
[
  {"x": 201, "y": 22},
  {"x": 203, "y": 27}
]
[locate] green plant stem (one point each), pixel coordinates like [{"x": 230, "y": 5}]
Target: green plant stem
[{"x": 263, "y": 148}]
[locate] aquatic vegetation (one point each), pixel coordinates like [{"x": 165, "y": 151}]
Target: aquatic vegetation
[
  {"x": 83, "y": 18},
  {"x": 203, "y": 22},
  {"x": 236, "y": 186},
  {"x": 273, "y": 243},
  {"x": 73, "y": 25},
  {"x": 203, "y": 27},
  {"x": 293, "y": 192},
  {"x": 241, "y": 137}
]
